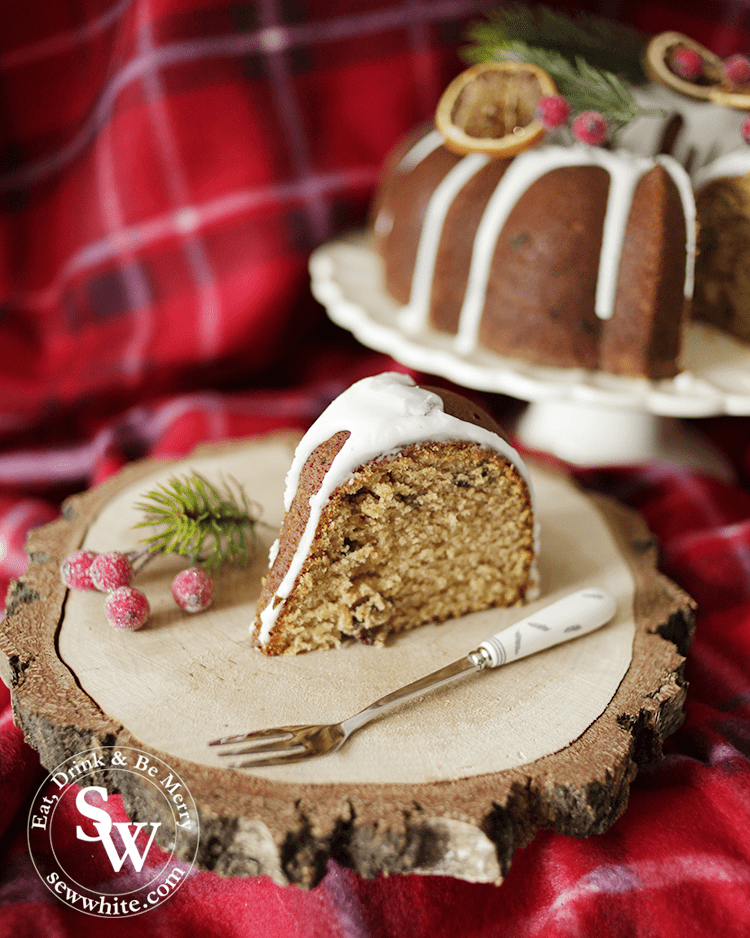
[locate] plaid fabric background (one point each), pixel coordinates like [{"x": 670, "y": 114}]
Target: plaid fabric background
[{"x": 165, "y": 168}]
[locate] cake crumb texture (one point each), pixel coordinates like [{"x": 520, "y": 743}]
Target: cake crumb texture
[{"x": 435, "y": 532}]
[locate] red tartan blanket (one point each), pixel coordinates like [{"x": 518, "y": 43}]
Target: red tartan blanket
[{"x": 165, "y": 168}]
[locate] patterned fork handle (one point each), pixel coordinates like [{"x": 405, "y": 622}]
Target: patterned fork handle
[{"x": 574, "y": 615}]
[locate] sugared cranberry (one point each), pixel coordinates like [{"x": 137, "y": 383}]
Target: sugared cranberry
[
  {"x": 75, "y": 570},
  {"x": 590, "y": 127},
  {"x": 127, "y": 609},
  {"x": 736, "y": 70},
  {"x": 686, "y": 63},
  {"x": 552, "y": 111},
  {"x": 745, "y": 130},
  {"x": 111, "y": 570},
  {"x": 193, "y": 590}
]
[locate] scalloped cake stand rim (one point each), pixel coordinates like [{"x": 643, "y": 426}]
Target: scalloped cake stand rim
[{"x": 628, "y": 417}]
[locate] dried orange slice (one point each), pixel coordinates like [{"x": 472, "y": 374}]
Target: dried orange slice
[
  {"x": 708, "y": 85},
  {"x": 490, "y": 107}
]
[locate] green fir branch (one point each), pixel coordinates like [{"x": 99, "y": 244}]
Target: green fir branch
[
  {"x": 588, "y": 88},
  {"x": 603, "y": 43},
  {"x": 593, "y": 61},
  {"x": 199, "y": 521}
]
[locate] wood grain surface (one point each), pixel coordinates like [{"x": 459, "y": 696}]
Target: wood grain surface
[{"x": 453, "y": 783}]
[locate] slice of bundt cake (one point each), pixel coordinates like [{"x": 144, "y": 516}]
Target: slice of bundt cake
[
  {"x": 404, "y": 506},
  {"x": 722, "y": 287}
]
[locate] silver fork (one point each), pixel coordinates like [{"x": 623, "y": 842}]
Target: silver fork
[{"x": 568, "y": 618}]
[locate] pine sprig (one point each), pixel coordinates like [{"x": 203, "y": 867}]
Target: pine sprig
[
  {"x": 603, "y": 43},
  {"x": 585, "y": 86},
  {"x": 199, "y": 521},
  {"x": 593, "y": 61}
]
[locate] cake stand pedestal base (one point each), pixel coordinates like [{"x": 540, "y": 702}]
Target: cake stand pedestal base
[{"x": 586, "y": 434}]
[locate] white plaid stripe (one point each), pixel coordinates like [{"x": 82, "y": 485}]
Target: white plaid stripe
[
  {"x": 232, "y": 45},
  {"x": 132, "y": 275},
  {"x": 208, "y": 298}
]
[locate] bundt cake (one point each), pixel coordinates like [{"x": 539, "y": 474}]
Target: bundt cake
[
  {"x": 588, "y": 250},
  {"x": 571, "y": 256},
  {"x": 404, "y": 506}
]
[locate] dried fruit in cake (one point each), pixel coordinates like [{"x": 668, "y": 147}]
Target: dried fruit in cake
[
  {"x": 684, "y": 65},
  {"x": 491, "y": 108},
  {"x": 404, "y": 506}
]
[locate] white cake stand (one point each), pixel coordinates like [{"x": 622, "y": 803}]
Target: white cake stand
[{"x": 588, "y": 418}]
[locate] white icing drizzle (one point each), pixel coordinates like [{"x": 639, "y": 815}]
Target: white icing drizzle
[
  {"x": 414, "y": 315},
  {"x": 420, "y": 151},
  {"x": 273, "y": 550},
  {"x": 382, "y": 414},
  {"x": 708, "y": 130},
  {"x": 687, "y": 197},
  {"x": 736, "y": 163},
  {"x": 384, "y": 222},
  {"x": 625, "y": 170}
]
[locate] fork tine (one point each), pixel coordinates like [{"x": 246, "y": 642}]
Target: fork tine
[
  {"x": 284, "y": 745},
  {"x": 280, "y": 732},
  {"x": 282, "y": 758}
]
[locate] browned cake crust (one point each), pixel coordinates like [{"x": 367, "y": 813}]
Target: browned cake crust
[
  {"x": 540, "y": 301},
  {"x": 296, "y": 518}
]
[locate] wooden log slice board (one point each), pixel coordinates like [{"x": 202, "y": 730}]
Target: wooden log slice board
[{"x": 453, "y": 783}]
